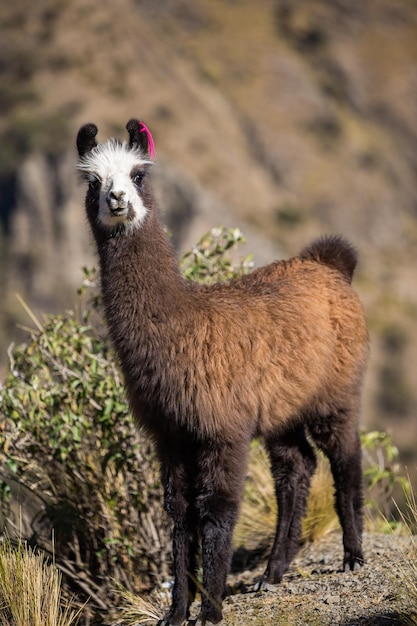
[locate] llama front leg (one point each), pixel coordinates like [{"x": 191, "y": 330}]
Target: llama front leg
[
  {"x": 216, "y": 554},
  {"x": 184, "y": 550},
  {"x": 292, "y": 463},
  {"x": 220, "y": 489},
  {"x": 184, "y": 544}
]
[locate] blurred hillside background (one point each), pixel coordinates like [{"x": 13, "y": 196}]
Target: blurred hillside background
[{"x": 285, "y": 118}]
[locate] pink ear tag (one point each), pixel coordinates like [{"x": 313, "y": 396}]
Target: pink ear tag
[{"x": 151, "y": 143}]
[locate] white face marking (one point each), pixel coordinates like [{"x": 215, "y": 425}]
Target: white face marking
[{"x": 120, "y": 202}]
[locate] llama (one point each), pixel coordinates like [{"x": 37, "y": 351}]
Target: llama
[{"x": 278, "y": 354}]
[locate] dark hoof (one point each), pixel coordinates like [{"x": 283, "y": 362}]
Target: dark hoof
[
  {"x": 202, "y": 621},
  {"x": 263, "y": 585},
  {"x": 171, "y": 620},
  {"x": 271, "y": 578},
  {"x": 352, "y": 563}
]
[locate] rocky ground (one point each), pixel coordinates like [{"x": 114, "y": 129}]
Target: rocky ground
[{"x": 316, "y": 592}]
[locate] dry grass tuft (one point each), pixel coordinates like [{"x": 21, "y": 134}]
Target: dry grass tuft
[
  {"x": 256, "y": 525},
  {"x": 406, "y": 574},
  {"x": 321, "y": 517},
  {"x": 136, "y": 610},
  {"x": 30, "y": 590}
]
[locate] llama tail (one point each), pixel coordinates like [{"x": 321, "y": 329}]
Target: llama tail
[{"x": 335, "y": 252}]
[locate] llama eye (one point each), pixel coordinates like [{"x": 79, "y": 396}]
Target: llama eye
[
  {"x": 94, "y": 184},
  {"x": 138, "y": 178}
]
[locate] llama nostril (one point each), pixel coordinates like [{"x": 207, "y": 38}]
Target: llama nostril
[{"x": 116, "y": 199}]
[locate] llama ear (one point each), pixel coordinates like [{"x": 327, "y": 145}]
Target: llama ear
[
  {"x": 140, "y": 135},
  {"x": 86, "y": 138}
]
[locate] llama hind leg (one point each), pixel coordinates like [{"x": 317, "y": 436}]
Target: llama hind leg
[
  {"x": 292, "y": 463},
  {"x": 343, "y": 450}
]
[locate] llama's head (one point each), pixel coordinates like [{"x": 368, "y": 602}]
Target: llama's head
[{"x": 116, "y": 176}]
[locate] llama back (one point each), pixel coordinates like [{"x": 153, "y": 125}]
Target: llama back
[{"x": 262, "y": 353}]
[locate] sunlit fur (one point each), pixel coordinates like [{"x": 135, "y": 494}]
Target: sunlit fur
[
  {"x": 111, "y": 165},
  {"x": 279, "y": 353}
]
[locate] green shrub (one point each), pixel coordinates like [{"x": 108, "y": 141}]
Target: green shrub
[
  {"x": 70, "y": 439},
  {"x": 211, "y": 259},
  {"x": 383, "y": 474}
]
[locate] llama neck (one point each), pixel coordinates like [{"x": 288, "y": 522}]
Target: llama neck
[{"x": 141, "y": 287}]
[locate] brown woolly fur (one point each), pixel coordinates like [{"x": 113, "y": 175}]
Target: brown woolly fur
[{"x": 279, "y": 353}]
